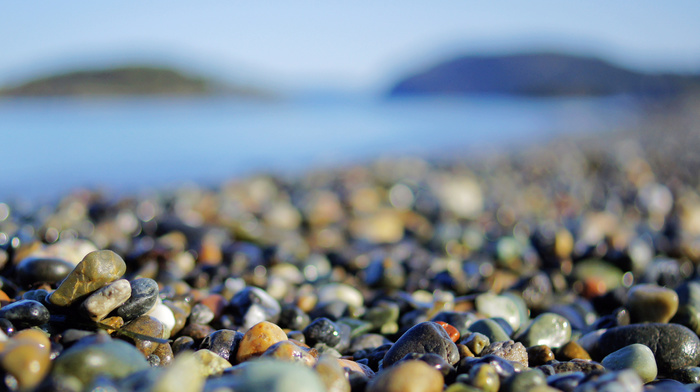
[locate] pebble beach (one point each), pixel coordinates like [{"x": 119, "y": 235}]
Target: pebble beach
[{"x": 569, "y": 266}]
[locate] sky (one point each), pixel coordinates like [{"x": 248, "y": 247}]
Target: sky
[{"x": 358, "y": 44}]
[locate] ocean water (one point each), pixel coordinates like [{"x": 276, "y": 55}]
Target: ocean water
[{"x": 50, "y": 146}]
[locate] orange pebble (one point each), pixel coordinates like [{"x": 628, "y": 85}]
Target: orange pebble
[
  {"x": 4, "y": 296},
  {"x": 452, "y": 331}
]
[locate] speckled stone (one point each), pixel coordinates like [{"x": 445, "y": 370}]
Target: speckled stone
[
  {"x": 322, "y": 330},
  {"x": 637, "y": 357},
  {"x": 148, "y": 326},
  {"x": 687, "y": 375},
  {"x": 144, "y": 295},
  {"x": 651, "y": 303},
  {"x": 25, "y": 313},
  {"x": 509, "y": 350},
  {"x": 223, "y": 343},
  {"x": 267, "y": 375},
  {"x": 287, "y": 350},
  {"x": 93, "y": 272},
  {"x": 332, "y": 374},
  {"x": 209, "y": 363},
  {"x": 549, "y": 329},
  {"x": 100, "y": 303},
  {"x": 572, "y": 350},
  {"x": 258, "y": 339},
  {"x": 426, "y": 337},
  {"x": 539, "y": 355},
  {"x": 165, "y": 354},
  {"x": 201, "y": 314},
  {"x": 575, "y": 365},
  {"x": 408, "y": 376},
  {"x": 674, "y": 346},
  {"x": 32, "y": 270}
]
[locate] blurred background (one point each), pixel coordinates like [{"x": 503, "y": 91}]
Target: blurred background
[{"x": 127, "y": 95}]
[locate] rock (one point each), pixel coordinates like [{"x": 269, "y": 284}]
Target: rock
[
  {"x": 549, "y": 329},
  {"x": 258, "y": 339},
  {"x": 165, "y": 354},
  {"x": 99, "y": 356},
  {"x": 566, "y": 381},
  {"x": 332, "y": 374},
  {"x": 426, "y": 337},
  {"x": 27, "y": 358},
  {"x": 322, "y": 330},
  {"x": 287, "y": 350},
  {"x": 539, "y": 355},
  {"x": 223, "y": 343},
  {"x": 572, "y": 350},
  {"x": 100, "y": 303},
  {"x": 493, "y": 305},
  {"x": 651, "y": 303},
  {"x": 476, "y": 342},
  {"x": 144, "y": 295},
  {"x": 32, "y": 270},
  {"x": 180, "y": 377},
  {"x": 622, "y": 381},
  {"x": 637, "y": 357},
  {"x": 340, "y": 292},
  {"x": 146, "y": 326},
  {"x": 293, "y": 317},
  {"x": 484, "y": 377},
  {"x": 267, "y": 375},
  {"x": 209, "y": 363},
  {"x": 524, "y": 381},
  {"x": 575, "y": 365},
  {"x": 201, "y": 314},
  {"x": 25, "y": 313},
  {"x": 166, "y": 316},
  {"x": 490, "y": 329},
  {"x": 509, "y": 350},
  {"x": 674, "y": 346},
  {"x": 93, "y": 272},
  {"x": 459, "y": 320},
  {"x": 408, "y": 376},
  {"x": 253, "y": 305}
]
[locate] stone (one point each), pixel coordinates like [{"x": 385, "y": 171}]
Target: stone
[
  {"x": 524, "y": 381},
  {"x": 426, "y": 337},
  {"x": 93, "y": 272},
  {"x": 165, "y": 315},
  {"x": 100, "y": 303},
  {"x": 146, "y": 326},
  {"x": 223, "y": 343},
  {"x": 476, "y": 342},
  {"x": 165, "y": 354},
  {"x": 25, "y": 313},
  {"x": 253, "y": 305},
  {"x": 509, "y": 350},
  {"x": 322, "y": 330},
  {"x": 267, "y": 375},
  {"x": 258, "y": 339},
  {"x": 100, "y": 356},
  {"x": 459, "y": 320},
  {"x": 408, "y": 376},
  {"x": 548, "y": 329},
  {"x": 621, "y": 381},
  {"x": 539, "y": 355},
  {"x": 293, "y": 317},
  {"x": 332, "y": 374},
  {"x": 209, "y": 363},
  {"x": 33, "y": 270},
  {"x": 201, "y": 314},
  {"x": 572, "y": 350},
  {"x": 144, "y": 295},
  {"x": 490, "y": 329},
  {"x": 493, "y": 305},
  {"x": 651, "y": 303},
  {"x": 674, "y": 346},
  {"x": 566, "y": 381},
  {"x": 27, "y": 358},
  {"x": 637, "y": 357},
  {"x": 287, "y": 350},
  {"x": 484, "y": 377},
  {"x": 451, "y": 331},
  {"x": 342, "y": 292},
  {"x": 575, "y": 365},
  {"x": 687, "y": 375},
  {"x": 180, "y": 377}
]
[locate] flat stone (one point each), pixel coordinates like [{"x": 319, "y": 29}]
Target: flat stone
[
  {"x": 651, "y": 303},
  {"x": 549, "y": 329},
  {"x": 426, "y": 337},
  {"x": 267, "y": 375},
  {"x": 144, "y": 295},
  {"x": 674, "y": 346},
  {"x": 93, "y": 272},
  {"x": 100, "y": 303},
  {"x": 637, "y": 357},
  {"x": 258, "y": 339},
  {"x": 509, "y": 350},
  {"x": 408, "y": 376}
]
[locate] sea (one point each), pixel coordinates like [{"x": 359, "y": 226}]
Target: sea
[{"x": 50, "y": 146}]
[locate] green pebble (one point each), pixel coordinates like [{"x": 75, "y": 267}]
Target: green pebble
[
  {"x": 524, "y": 381},
  {"x": 548, "y": 329},
  {"x": 485, "y": 377},
  {"x": 637, "y": 357},
  {"x": 491, "y": 329},
  {"x": 476, "y": 342},
  {"x": 268, "y": 375}
]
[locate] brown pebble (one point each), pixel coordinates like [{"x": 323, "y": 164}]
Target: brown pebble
[
  {"x": 408, "y": 376},
  {"x": 572, "y": 350},
  {"x": 258, "y": 339},
  {"x": 464, "y": 351},
  {"x": 165, "y": 352},
  {"x": 197, "y": 331},
  {"x": 27, "y": 358},
  {"x": 539, "y": 355},
  {"x": 287, "y": 350},
  {"x": 148, "y": 326},
  {"x": 651, "y": 303},
  {"x": 95, "y": 270},
  {"x": 115, "y": 322},
  {"x": 332, "y": 374}
]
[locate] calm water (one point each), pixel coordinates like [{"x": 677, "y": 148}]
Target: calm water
[{"x": 124, "y": 145}]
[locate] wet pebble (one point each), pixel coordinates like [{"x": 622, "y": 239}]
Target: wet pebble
[
  {"x": 100, "y": 303},
  {"x": 637, "y": 357},
  {"x": 25, "y": 313},
  {"x": 144, "y": 294},
  {"x": 223, "y": 343},
  {"x": 408, "y": 376},
  {"x": 93, "y": 272},
  {"x": 33, "y": 270},
  {"x": 548, "y": 329},
  {"x": 322, "y": 330},
  {"x": 651, "y": 303},
  {"x": 258, "y": 339},
  {"x": 426, "y": 337},
  {"x": 253, "y": 305}
]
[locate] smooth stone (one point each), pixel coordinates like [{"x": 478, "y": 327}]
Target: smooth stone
[
  {"x": 637, "y": 357},
  {"x": 566, "y": 382},
  {"x": 575, "y": 365},
  {"x": 688, "y": 375},
  {"x": 180, "y": 314},
  {"x": 210, "y": 363},
  {"x": 651, "y": 303},
  {"x": 201, "y": 314},
  {"x": 687, "y": 316},
  {"x": 32, "y": 270},
  {"x": 476, "y": 342},
  {"x": 182, "y": 344},
  {"x": 165, "y": 315},
  {"x": 459, "y": 320},
  {"x": 287, "y": 350},
  {"x": 165, "y": 354},
  {"x": 197, "y": 331},
  {"x": 180, "y": 377},
  {"x": 674, "y": 346},
  {"x": 342, "y": 292},
  {"x": 503, "y": 367},
  {"x": 620, "y": 381},
  {"x": 408, "y": 376},
  {"x": 332, "y": 374},
  {"x": 384, "y": 317},
  {"x": 144, "y": 295},
  {"x": 253, "y": 305},
  {"x": 666, "y": 385},
  {"x": 25, "y": 313},
  {"x": 548, "y": 329},
  {"x": 148, "y": 326},
  {"x": 322, "y": 330},
  {"x": 485, "y": 377},
  {"x": 93, "y": 272},
  {"x": 258, "y": 339},
  {"x": 269, "y": 376},
  {"x": 689, "y": 293},
  {"x": 99, "y": 357},
  {"x": 493, "y": 305},
  {"x": 223, "y": 343},
  {"x": 426, "y": 337},
  {"x": 539, "y": 355},
  {"x": 524, "y": 381},
  {"x": 100, "y": 303},
  {"x": 38, "y": 295},
  {"x": 509, "y": 350},
  {"x": 572, "y": 350},
  {"x": 367, "y": 341},
  {"x": 27, "y": 360},
  {"x": 292, "y": 317},
  {"x": 490, "y": 329}
]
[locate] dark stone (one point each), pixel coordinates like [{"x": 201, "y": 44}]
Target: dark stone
[
  {"x": 459, "y": 320},
  {"x": 26, "y": 313},
  {"x": 183, "y": 343},
  {"x": 38, "y": 295},
  {"x": 426, "y": 337},
  {"x": 144, "y": 294},
  {"x": 367, "y": 341},
  {"x": 665, "y": 386},
  {"x": 565, "y": 382},
  {"x": 333, "y": 310},
  {"x": 201, "y": 314},
  {"x": 674, "y": 346},
  {"x": 34, "y": 270},
  {"x": 7, "y": 327},
  {"x": 503, "y": 367},
  {"x": 292, "y": 317},
  {"x": 223, "y": 343},
  {"x": 253, "y": 305},
  {"x": 322, "y": 330},
  {"x": 575, "y": 365},
  {"x": 434, "y": 360}
]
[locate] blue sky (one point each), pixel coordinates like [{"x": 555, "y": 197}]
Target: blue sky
[{"x": 354, "y": 44}]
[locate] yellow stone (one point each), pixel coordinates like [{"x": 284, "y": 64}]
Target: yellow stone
[
  {"x": 332, "y": 374},
  {"x": 93, "y": 272},
  {"x": 258, "y": 339},
  {"x": 210, "y": 363},
  {"x": 408, "y": 376}
]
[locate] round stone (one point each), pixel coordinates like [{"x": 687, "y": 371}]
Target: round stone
[
  {"x": 258, "y": 339},
  {"x": 25, "y": 313},
  {"x": 32, "y": 270},
  {"x": 223, "y": 343},
  {"x": 491, "y": 329},
  {"x": 548, "y": 329},
  {"x": 484, "y": 377},
  {"x": 144, "y": 295},
  {"x": 253, "y": 305},
  {"x": 322, "y": 330},
  {"x": 493, "y": 305},
  {"x": 426, "y": 337},
  {"x": 572, "y": 350},
  {"x": 332, "y": 374},
  {"x": 408, "y": 376},
  {"x": 539, "y": 355},
  {"x": 27, "y": 360},
  {"x": 144, "y": 326},
  {"x": 93, "y": 272},
  {"x": 651, "y": 303},
  {"x": 268, "y": 375},
  {"x": 209, "y": 363},
  {"x": 637, "y": 357},
  {"x": 100, "y": 303},
  {"x": 287, "y": 350},
  {"x": 180, "y": 377},
  {"x": 340, "y": 292},
  {"x": 524, "y": 381}
]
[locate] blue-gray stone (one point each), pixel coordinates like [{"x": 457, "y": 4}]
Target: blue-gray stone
[
  {"x": 637, "y": 357},
  {"x": 426, "y": 337},
  {"x": 491, "y": 329}
]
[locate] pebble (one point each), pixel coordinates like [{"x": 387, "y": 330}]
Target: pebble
[
  {"x": 35, "y": 270},
  {"x": 484, "y": 377},
  {"x": 476, "y": 342},
  {"x": 491, "y": 329},
  {"x": 408, "y": 376},
  {"x": 620, "y": 381},
  {"x": 287, "y": 350},
  {"x": 548, "y": 329},
  {"x": 267, "y": 375},
  {"x": 26, "y": 357},
  {"x": 332, "y": 374},
  {"x": 146, "y": 326},
  {"x": 426, "y": 337},
  {"x": 575, "y": 365},
  {"x": 493, "y": 305},
  {"x": 651, "y": 303},
  {"x": 209, "y": 363},
  {"x": 524, "y": 381},
  {"x": 180, "y": 377},
  {"x": 144, "y": 295},
  {"x": 258, "y": 339},
  {"x": 25, "y": 313},
  {"x": 509, "y": 350},
  {"x": 539, "y": 355},
  {"x": 322, "y": 330},
  {"x": 165, "y": 316},
  {"x": 637, "y": 357},
  {"x": 95, "y": 270},
  {"x": 100, "y": 303},
  {"x": 223, "y": 343},
  {"x": 253, "y": 305},
  {"x": 572, "y": 350},
  {"x": 674, "y": 346}
]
